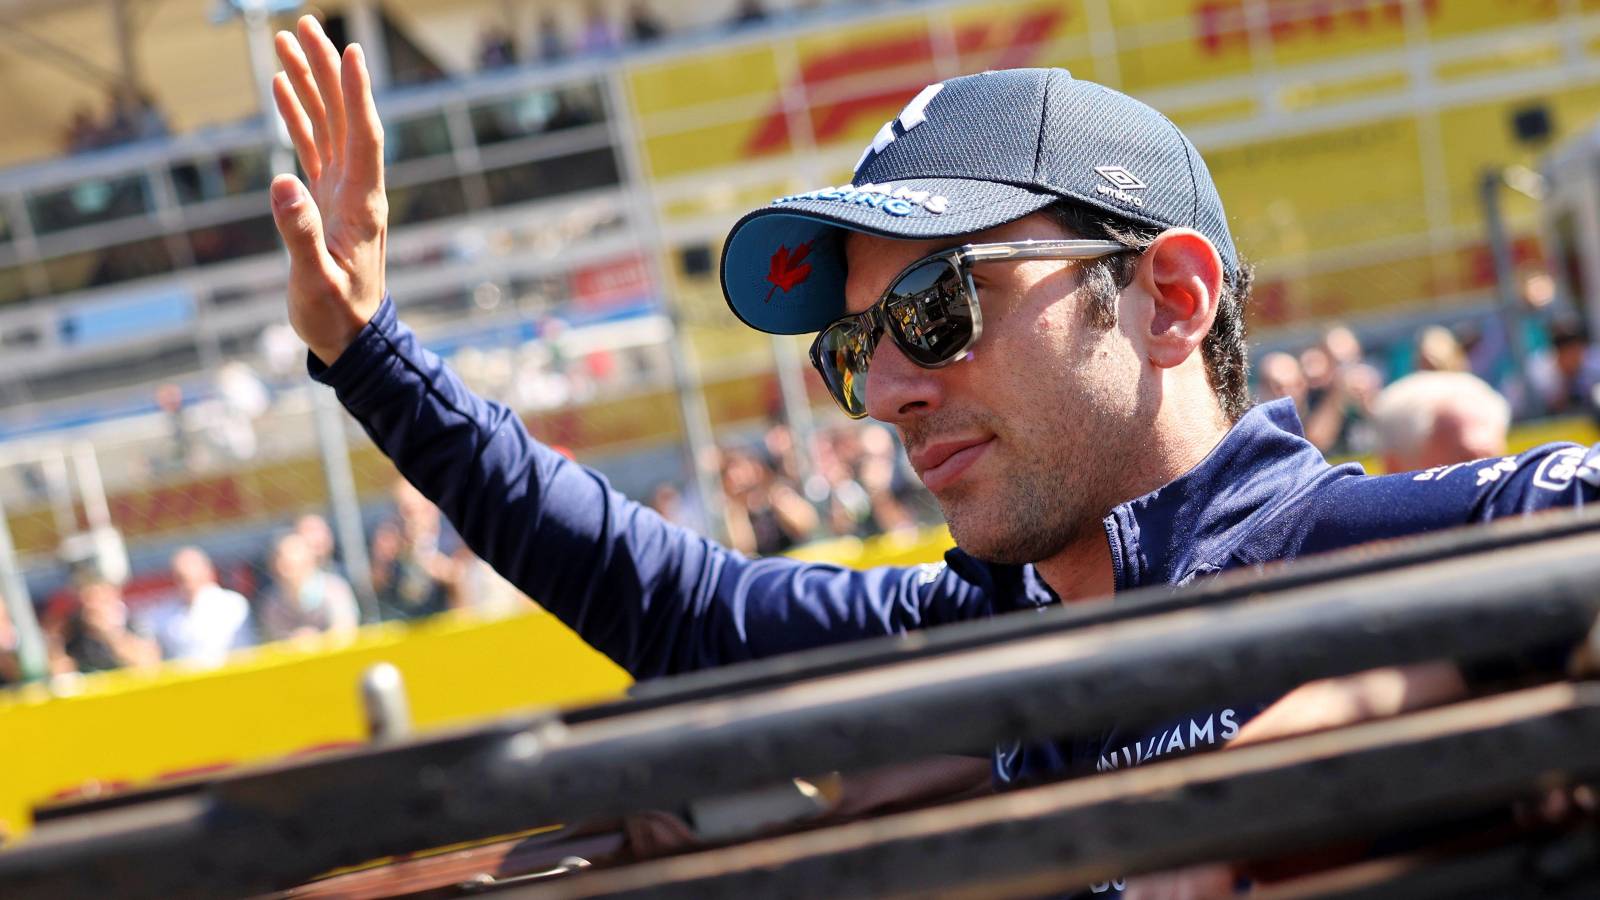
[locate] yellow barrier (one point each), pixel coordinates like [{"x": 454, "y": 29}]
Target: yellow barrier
[{"x": 128, "y": 728}]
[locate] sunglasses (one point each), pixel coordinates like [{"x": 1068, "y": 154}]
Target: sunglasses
[{"x": 930, "y": 310}]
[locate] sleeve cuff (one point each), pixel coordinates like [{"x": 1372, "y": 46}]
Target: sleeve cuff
[{"x": 371, "y": 345}]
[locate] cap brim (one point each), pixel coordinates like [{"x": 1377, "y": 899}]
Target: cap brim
[{"x": 783, "y": 268}]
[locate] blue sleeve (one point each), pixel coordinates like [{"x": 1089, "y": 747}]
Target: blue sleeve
[
  {"x": 1345, "y": 508},
  {"x": 656, "y": 598},
  {"x": 1548, "y": 477}
]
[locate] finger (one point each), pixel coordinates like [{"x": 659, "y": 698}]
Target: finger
[
  {"x": 364, "y": 149},
  {"x": 300, "y": 223},
  {"x": 294, "y": 118},
  {"x": 324, "y": 60},
  {"x": 305, "y": 88}
]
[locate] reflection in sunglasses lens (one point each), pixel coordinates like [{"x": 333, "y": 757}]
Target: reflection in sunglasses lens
[
  {"x": 929, "y": 312},
  {"x": 846, "y": 350}
]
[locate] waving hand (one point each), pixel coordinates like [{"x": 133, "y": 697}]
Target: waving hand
[{"x": 336, "y": 224}]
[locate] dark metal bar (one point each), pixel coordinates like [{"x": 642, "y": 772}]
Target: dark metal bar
[
  {"x": 1541, "y": 865},
  {"x": 264, "y": 830},
  {"x": 1266, "y": 799},
  {"x": 1235, "y": 586}
]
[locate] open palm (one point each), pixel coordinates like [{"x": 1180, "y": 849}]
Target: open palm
[{"x": 335, "y": 225}]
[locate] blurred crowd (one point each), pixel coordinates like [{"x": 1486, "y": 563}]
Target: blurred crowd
[
  {"x": 418, "y": 569},
  {"x": 854, "y": 482},
  {"x": 1460, "y": 385},
  {"x": 130, "y": 115},
  {"x": 600, "y": 33}
]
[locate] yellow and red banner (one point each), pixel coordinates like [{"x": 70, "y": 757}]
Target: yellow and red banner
[{"x": 1347, "y": 137}]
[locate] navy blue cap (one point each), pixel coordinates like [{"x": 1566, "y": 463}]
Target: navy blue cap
[{"x": 964, "y": 156}]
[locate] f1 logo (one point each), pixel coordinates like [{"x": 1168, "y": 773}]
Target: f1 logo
[{"x": 915, "y": 113}]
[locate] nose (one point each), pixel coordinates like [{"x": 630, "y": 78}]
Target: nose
[{"x": 899, "y": 389}]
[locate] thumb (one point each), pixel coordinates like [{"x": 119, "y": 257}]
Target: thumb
[{"x": 300, "y": 224}]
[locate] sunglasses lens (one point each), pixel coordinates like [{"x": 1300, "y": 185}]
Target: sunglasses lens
[
  {"x": 930, "y": 312},
  {"x": 841, "y": 355}
]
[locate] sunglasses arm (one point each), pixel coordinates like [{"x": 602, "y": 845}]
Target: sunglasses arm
[{"x": 973, "y": 253}]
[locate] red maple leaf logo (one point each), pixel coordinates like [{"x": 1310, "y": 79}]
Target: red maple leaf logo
[{"x": 787, "y": 270}]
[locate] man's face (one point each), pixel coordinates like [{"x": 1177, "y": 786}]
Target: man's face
[{"x": 1027, "y": 442}]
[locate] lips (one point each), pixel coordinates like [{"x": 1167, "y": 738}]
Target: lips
[{"x": 940, "y": 465}]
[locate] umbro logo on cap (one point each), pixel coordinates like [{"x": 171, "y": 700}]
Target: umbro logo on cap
[
  {"x": 1121, "y": 178},
  {"x": 1122, "y": 181}
]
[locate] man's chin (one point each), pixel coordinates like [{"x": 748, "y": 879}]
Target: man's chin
[
  {"x": 1007, "y": 534},
  {"x": 999, "y": 545}
]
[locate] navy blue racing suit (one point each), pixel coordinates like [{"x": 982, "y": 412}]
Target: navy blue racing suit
[{"x": 659, "y": 599}]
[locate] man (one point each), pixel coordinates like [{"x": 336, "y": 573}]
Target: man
[
  {"x": 207, "y": 621},
  {"x": 303, "y": 599},
  {"x": 10, "y": 659},
  {"x": 1435, "y": 419},
  {"x": 318, "y": 535},
  {"x": 412, "y": 576},
  {"x": 1079, "y": 407},
  {"x": 94, "y": 637}
]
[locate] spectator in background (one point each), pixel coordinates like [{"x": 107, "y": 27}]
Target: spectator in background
[
  {"x": 1439, "y": 351},
  {"x": 750, "y": 12},
  {"x": 1430, "y": 419},
  {"x": 1568, "y": 375},
  {"x": 782, "y": 455},
  {"x": 1333, "y": 401},
  {"x": 242, "y": 398},
  {"x": 643, "y": 26},
  {"x": 766, "y": 515},
  {"x": 149, "y": 122},
  {"x": 834, "y": 487},
  {"x": 82, "y": 133},
  {"x": 551, "y": 45},
  {"x": 670, "y": 503},
  {"x": 599, "y": 35},
  {"x": 1279, "y": 376},
  {"x": 303, "y": 600},
  {"x": 179, "y": 453},
  {"x": 10, "y": 664},
  {"x": 412, "y": 576},
  {"x": 122, "y": 118},
  {"x": 94, "y": 637},
  {"x": 875, "y": 472},
  {"x": 1338, "y": 389},
  {"x": 495, "y": 49},
  {"x": 314, "y": 530},
  {"x": 207, "y": 621}
]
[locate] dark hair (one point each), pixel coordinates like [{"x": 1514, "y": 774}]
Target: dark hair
[{"x": 1223, "y": 350}]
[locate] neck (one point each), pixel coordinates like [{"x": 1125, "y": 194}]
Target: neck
[
  {"x": 1186, "y": 428},
  {"x": 1081, "y": 571}
]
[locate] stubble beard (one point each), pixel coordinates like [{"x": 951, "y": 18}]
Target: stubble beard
[{"x": 1037, "y": 503}]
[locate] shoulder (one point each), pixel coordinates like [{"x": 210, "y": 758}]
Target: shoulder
[{"x": 1344, "y": 511}]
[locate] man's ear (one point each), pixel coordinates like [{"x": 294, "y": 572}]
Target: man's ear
[{"x": 1182, "y": 274}]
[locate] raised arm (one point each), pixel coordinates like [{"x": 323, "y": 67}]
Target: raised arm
[{"x": 654, "y": 597}]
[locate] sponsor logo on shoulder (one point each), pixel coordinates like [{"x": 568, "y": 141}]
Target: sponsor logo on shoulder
[
  {"x": 1121, "y": 183},
  {"x": 1491, "y": 474},
  {"x": 1557, "y": 471},
  {"x": 900, "y": 201}
]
